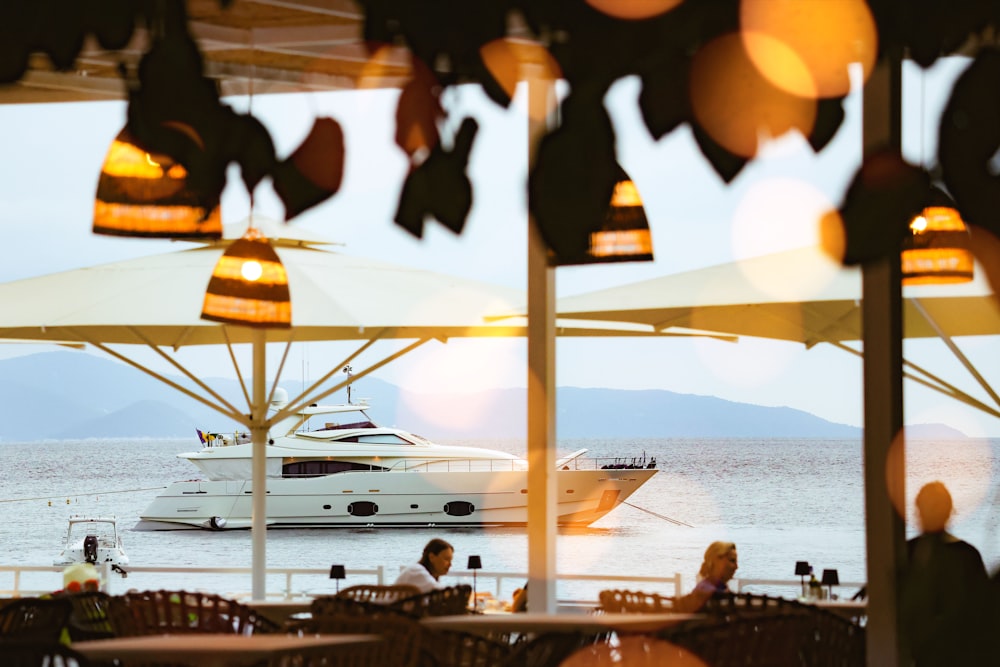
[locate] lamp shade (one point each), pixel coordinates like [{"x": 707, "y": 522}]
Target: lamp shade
[
  {"x": 830, "y": 578},
  {"x": 937, "y": 250},
  {"x": 338, "y": 572},
  {"x": 249, "y": 286},
  {"x": 802, "y": 568},
  {"x": 147, "y": 195},
  {"x": 475, "y": 563},
  {"x": 624, "y": 236}
]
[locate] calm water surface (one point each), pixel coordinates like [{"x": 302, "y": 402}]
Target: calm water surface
[{"x": 779, "y": 500}]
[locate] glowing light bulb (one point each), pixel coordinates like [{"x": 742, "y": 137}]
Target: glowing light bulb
[{"x": 251, "y": 270}]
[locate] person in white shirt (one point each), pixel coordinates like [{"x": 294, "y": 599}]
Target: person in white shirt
[{"x": 435, "y": 562}]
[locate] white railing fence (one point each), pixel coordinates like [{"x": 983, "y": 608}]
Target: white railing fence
[{"x": 295, "y": 583}]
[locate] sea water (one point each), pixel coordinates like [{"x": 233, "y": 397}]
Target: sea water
[{"x": 780, "y": 501}]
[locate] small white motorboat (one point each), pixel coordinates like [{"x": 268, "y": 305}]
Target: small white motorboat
[{"x": 94, "y": 540}]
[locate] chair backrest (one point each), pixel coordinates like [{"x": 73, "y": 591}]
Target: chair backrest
[
  {"x": 400, "y": 645},
  {"x": 452, "y": 648},
  {"x": 158, "y": 612},
  {"x": 34, "y": 618},
  {"x": 91, "y": 616},
  {"x": 438, "y": 602},
  {"x": 617, "y": 600},
  {"x": 762, "y": 640},
  {"x": 378, "y": 594},
  {"x": 332, "y": 605},
  {"x": 14, "y": 653}
]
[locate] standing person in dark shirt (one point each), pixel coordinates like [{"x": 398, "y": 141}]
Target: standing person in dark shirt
[{"x": 944, "y": 597}]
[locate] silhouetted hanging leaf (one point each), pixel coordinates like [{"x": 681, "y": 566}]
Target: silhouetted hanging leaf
[
  {"x": 418, "y": 112},
  {"x": 725, "y": 164},
  {"x": 111, "y": 21},
  {"x": 439, "y": 187},
  {"x": 885, "y": 194},
  {"x": 829, "y": 116},
  {"x": 312, "y": 174},
  {"x": 969, "y": 137},
  {"x": 61, "y": 38},
  {"x": 663, "y": 99},
  {"x": 574, "y": 176}
]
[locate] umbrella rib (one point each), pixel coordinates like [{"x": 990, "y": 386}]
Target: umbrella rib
[
  {"x": 281, "y": 367},
  {"x": 954, "y": 350},
  {"x": 236, "y": 367},
  {"x": 176, "y": 364},
  {"x": 374, "y": 367},
  {"x": 184, "y": 390},
  {"x": 936, "y": 383},
  {"x": 300, "y": 401}
]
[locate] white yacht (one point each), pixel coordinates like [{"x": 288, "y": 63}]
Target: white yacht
[
  {"x": 352, "y": 472},
  {"x": 93, "y": 540}
]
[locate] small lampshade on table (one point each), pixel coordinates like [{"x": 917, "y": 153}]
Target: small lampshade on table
[
  {"x": 802, "y": 569},
  {"x": 830, "y": 579},
  {"x": 337, "y": 572},
  {"x": 475, "y": 563}
]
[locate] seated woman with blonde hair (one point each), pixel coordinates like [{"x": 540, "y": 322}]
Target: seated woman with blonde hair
[{"x": 717, "y": 568}]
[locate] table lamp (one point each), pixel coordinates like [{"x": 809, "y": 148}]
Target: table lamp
[
  {"x": 475, "y": 563},
  {"x": 830, "y": 579},
  {"x": 337, "y": 572},
  {"x": 802, "y": 569}
]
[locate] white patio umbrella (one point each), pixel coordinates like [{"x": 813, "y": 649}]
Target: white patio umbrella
[
  {"x": 156, "y": 302},
  {"x": 798, "y": 295}
]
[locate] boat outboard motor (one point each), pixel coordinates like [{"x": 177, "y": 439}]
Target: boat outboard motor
[{"x": 90, "y": 548}]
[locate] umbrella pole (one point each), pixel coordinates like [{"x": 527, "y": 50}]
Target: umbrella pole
[{"x": 258, "y": 436}]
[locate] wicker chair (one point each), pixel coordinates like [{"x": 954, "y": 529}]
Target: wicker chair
[
  {"x": 761, "y": 640},
  {"x": 34, "y": 619},
  {"x": 329, "y": 605},
  {"x": 40, "y": 653},
  {"x": 438, "y": 602},
  {"x": 618, "y": 600},
  {"x": 400, "y": 646},
  {"x": 551, "y": 648},
  {"x": 91, "y": 617},
  {"x": 750, "y": 630},
  {"x": 156, "y": 612},
  {"x": 378, "y": 594},
  {"x": 450, "y": 648}
]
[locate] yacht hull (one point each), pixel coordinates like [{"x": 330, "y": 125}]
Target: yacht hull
[{"x": 391, "y": 499}]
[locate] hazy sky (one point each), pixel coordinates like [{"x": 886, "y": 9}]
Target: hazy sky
[{"x": 53, "y": 155}]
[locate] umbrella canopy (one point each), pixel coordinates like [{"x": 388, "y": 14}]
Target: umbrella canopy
[
  {"x": 798, "y": 295},
  {"x": 156, "y": 302}
]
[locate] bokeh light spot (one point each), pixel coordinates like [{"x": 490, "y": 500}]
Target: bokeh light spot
[
  {"x": 778, "y": 214},
  {"x": 634, "y": 651},
  {"x": 736, "y": 105},
  {"x": 825, "y": 37},
  {"x": 633, "y": 9},
  {"x": 832, "y": 237}
]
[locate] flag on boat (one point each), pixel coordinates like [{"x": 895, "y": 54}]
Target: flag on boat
[{"x": 201, "y": 436}]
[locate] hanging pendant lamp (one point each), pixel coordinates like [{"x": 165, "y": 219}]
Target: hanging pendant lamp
[
  {"x": 624, "y": 236},
  {"x": 145, "y": 194},
  {"x": 249, "y": 286},
  {"x": 937, "y": 250}
]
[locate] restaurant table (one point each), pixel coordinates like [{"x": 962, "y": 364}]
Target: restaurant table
[
  {"x": 212, "y": 650},
  {"x": 280, "y": 611},
  {"x": 540, "y": 622},
  {"x": 852, "y": 609}
]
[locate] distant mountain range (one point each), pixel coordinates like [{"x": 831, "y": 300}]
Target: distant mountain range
[{"x": 73, "y": 394}]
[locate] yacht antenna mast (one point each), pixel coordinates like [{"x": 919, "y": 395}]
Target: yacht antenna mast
[{"x": 348, "y": 369}]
